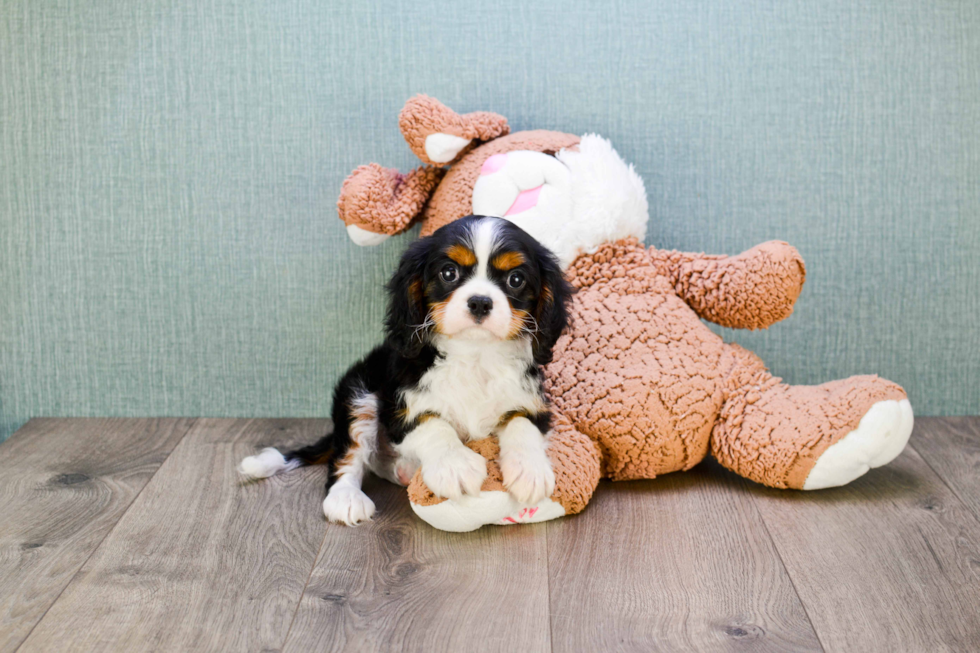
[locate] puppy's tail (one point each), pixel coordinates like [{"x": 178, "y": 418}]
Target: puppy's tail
[{"x": 270, "y": 461}]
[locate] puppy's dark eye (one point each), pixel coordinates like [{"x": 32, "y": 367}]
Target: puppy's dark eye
[
  {"x": 449, "y": 273},
  {"x": 515, "y": 280}
]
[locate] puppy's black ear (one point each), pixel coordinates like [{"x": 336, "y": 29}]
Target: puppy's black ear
[
  {"x": 552, "y": 309},
  {"x": 407, "y": 309}
]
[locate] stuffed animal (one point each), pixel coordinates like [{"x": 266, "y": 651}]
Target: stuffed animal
[{"x": 639, "y": 385}]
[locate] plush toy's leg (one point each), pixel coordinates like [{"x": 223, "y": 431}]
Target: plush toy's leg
[
  {"x": 378, "y": 202},
  {"x": 574, "y": 459},
  {"x": 806, "y": 437}
]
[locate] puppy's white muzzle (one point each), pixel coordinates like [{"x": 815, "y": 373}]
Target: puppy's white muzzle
[{"x": 478, "y": 304}]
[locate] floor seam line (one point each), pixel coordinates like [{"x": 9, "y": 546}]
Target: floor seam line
[
  {"x": 945, "y": 483},
  {"x": 106, "y": 536},
  {"x": 306, "y": 585},
  {"x": 547, "y": 568},
  {"x": 782, "y": 563}
]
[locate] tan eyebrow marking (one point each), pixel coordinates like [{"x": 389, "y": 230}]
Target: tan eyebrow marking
[
  {"x": 507, "y": 260},
  {"x": 462, "y": 255}
]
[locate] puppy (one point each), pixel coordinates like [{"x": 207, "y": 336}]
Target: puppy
[{"x": 474, "y": 311}]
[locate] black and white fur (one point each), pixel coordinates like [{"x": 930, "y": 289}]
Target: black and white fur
[{"x": 474, "y": 311}]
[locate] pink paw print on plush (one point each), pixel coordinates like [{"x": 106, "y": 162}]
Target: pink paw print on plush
[{"x": 525, "y": 515}]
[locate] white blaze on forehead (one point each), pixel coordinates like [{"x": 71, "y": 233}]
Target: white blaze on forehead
[
  {"x": 483, "y": 239},
  {"x": 457, "y": 316}
]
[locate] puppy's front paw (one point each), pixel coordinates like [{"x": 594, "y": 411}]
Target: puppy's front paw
[
  {"x": 347, "y": 505},
  {"x": 528, "y": 475},
  {"x": 456, "y": 472}
]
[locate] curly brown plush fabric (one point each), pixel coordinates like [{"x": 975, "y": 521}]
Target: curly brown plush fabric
[
  {"x": 772, "y": 432},
  {"x": 753, "y": 290},
  {"x": 383, "y": 200},
  {"x": 576, "y": 462},
  {"x": 423, "y": 116},
  {"x": 640, "y": 374}
]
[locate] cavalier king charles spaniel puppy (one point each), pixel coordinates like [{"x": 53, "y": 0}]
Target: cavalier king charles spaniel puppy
[{"x": 474, "y": 311}]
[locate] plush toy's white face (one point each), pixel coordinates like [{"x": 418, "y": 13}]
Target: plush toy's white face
[{"x": 571, "y": 202}]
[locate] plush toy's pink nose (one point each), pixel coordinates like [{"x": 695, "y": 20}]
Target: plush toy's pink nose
[
  {"x": 493, "y": 164},
  {"x": 526, "y": 200}
]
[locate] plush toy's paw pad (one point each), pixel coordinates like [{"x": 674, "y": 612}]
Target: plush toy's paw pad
[
  {"x": 365, "y": 238},
  {"x": 443, "y": 148},
  {"x": 347, "y": 505},
  {"x": 879, "y": 438},
  {"x": 454, "y": 473},
  {"x": 528, "y": 476}
]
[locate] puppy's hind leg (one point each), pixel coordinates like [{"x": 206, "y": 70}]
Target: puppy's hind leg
[{"x": 346, "y": 503}]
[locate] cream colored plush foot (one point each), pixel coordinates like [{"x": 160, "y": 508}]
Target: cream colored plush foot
[
  {"x": 443, "y": 148},
  {"x": 469, "y": 513},
  {"x": 879, "y": 438},
  {"x": 365, "y": 238}
]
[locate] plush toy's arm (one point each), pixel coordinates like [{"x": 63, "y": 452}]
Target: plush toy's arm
[
  {"x": 753, "y": 290},
  {"x": 378, "y": 202},
  {"x": 438, "y": 135}
]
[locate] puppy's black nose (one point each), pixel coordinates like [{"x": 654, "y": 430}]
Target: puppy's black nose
[{"x": 480, "y": 306}]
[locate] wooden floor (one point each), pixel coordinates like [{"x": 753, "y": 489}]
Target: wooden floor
[{"x": 128, "y": 535}]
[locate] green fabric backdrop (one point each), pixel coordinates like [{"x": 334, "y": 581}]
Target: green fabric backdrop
[{"x": 168, "y": 173}]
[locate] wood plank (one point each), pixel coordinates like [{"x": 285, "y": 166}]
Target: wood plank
[
  {"x": 951, "y": 447},
  {"x": 397, "y": 584},
  {"x": 890, "y": 562},
  {"x": 681, "y": 562},
  {"x": 201, "y": 561},
  {"x": 64, "y": 483}
]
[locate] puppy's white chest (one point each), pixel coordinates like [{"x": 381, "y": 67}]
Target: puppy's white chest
[{"x": 475, "y": 383}]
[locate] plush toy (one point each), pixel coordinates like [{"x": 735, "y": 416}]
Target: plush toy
[{"x": 639, "y": 385}]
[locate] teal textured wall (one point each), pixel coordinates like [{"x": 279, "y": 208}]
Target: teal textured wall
[{"x": 168, "y": 172}]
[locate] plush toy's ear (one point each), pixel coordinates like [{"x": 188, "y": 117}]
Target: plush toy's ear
[
  {"x": 438, "y": 135},
  {"x": 407, "y": 325},
  {"x": 552, "y": 309}
]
